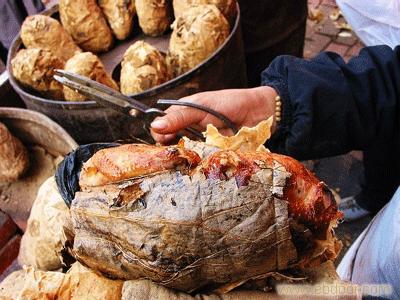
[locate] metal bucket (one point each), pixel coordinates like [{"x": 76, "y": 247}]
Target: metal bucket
[
  {"x": 87, "y": 122},
  {"x": 33, "y": 129}
]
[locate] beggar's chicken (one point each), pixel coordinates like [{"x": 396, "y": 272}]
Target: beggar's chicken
[{"x": 194, "y": 217}]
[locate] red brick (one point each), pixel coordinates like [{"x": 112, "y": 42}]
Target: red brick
[
  {"x": 337, "y": 48},
  {"x": 7, "y": 229},
  {"x": 314, "y": 3},
  {"x": 14, "y": 266},
  {"x": 347, "y": 58},
  {"x": 331, "y": 3},
  {"x": 9, "y": 253},
  {"x": 309, "y": 30},
  {"x": 328, "y": 28},
  {"x": 315, "y": 45},
  {"x": 353, "y": 51}
]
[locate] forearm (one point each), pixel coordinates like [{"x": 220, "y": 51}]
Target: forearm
[{"x": 330, "y": 107}]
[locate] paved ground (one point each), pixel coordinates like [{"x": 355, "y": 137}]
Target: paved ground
[{"x": 326, "y": 33}]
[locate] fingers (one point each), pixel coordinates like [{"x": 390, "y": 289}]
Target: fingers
[
  {"x": 164, "y": 129},
  {"x": 163, "y": 139},
  {"x": 179, "y": 117},
  {"x": 176, "y": 120}
]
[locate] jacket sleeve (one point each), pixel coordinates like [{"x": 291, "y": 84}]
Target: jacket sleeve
[{"x": 330, "y": 107}]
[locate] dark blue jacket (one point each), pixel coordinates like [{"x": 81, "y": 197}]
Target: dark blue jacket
[{"x": 330, "y": 107}]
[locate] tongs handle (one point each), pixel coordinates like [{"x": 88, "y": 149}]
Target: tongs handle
[{"x": 216, "y": 114}]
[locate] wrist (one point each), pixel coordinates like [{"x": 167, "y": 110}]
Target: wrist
[{"x": 270, "y": 100}]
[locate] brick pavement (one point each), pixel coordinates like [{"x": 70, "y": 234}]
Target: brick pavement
[{"x": 324, "y": 35}]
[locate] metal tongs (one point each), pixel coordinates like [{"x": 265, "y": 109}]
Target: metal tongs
[{"x": 113, "y": 99}]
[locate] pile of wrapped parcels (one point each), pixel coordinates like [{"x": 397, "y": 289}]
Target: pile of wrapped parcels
[{"x": 89, "y": 27}]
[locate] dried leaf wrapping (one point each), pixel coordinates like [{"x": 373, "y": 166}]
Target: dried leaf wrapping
[
  {"x": 14, "y": 158},
  {"x": 226, "y": 7},
  {"x": 89, "y": 65},
  {"x": 202, "y": 149},
  {"x": 119, "y": 14},
  {"x": 11, "y": 286},
  {"x": 145, "y": 289},
  {"x": 43, "y": 285},
  {"x": 79, "y": 284},
  {"x": 196, "y": 35},
  {"x": 42, "y": 242},
  {"x": 85, "y": 22},
  {"x": 43, "y": 32},
  {"x": 155, "y": 16},
  {"x": 186, "y": 232},
  {"x": 316, "y": 14},
  {"x": 34, "y": 68},
  {"x": 86, "y": 284},
  {"x": 143, "y": 67}
]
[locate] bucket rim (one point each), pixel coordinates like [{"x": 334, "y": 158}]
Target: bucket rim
[{"x": 23, "y": 114}]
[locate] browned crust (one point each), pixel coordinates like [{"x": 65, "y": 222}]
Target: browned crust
[{"x": 129, "y": 161}]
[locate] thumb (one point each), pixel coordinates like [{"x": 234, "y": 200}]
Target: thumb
[{"x": 176, "y": 120}]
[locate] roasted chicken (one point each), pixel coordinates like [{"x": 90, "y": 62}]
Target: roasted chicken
[{"x": 121, "y": 163}]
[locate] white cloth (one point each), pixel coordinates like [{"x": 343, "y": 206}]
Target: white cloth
[
  {"x": 374, "y": 258},
  {"x": 376, "y": 22}
]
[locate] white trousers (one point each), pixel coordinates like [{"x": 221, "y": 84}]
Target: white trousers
[
  {"x": 376, "y": 22},
  {"x": 374, "y": 258}
]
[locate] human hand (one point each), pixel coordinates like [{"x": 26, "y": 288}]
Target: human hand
[{"x": 244, "y": 107}]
